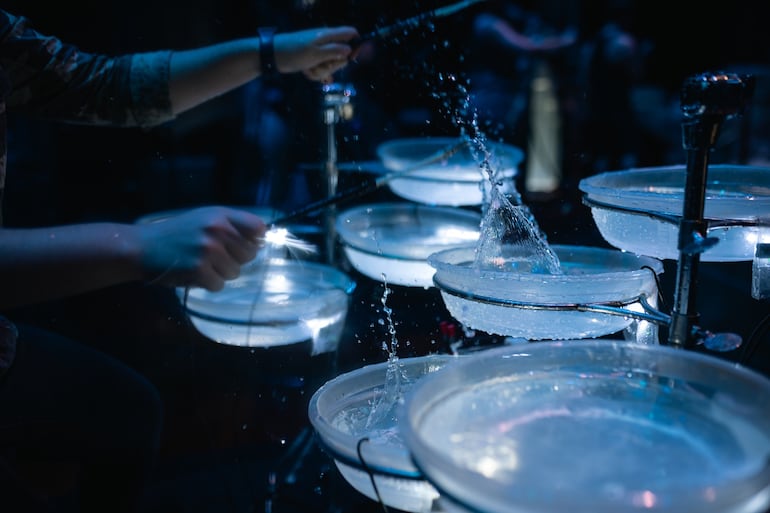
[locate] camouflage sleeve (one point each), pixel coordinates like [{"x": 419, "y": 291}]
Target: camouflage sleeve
[
  {"x": 149, "y": 78},
  {"x": 55, "y": 80}
]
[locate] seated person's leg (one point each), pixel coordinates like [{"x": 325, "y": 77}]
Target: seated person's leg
[{"x": 62, "y": 402}]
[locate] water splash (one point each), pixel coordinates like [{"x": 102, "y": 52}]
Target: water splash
[
  {"x": 391, "y": 395},
  {"x": 509, "y": 239},
  {"x": 391, "y": 347},
  {"x": 510, "y": 236}
]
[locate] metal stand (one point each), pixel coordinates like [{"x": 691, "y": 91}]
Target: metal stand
[
  {"x": 706, "y": 101},
  {"x": 337, "y": 107}
]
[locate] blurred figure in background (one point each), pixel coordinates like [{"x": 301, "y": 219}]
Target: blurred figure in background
[
  {"x": 506, "y": 43},
  {"x": 281, "y": 125},
  {"x": 612, "y": 65}
]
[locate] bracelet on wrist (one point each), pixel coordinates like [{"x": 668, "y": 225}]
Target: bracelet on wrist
[{"x": 267, "y": 62}]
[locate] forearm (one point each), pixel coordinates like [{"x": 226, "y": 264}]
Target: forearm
[
  {"x": 203, "y": 73},
  {"x": 48, "y": 263}
]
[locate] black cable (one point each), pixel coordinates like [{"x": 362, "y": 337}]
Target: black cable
[
  {"x": 371, "y": 474},
  {"x": 657, "y": 285}
]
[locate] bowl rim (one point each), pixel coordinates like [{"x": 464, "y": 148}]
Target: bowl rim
[
  {"x": 441, "y": 266},
  {"x": 196, "y": 306},
  {"x": 514, "y": 157},
  {"x": 355, "y": 219},
  {"x": 433, "y": 389},
  {"x": 381, "y": 459},
  {"x": 603, "y": 185}
]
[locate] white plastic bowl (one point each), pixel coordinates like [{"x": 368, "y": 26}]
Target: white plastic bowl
[
  {"x": 592, "y": 426},
  {"x": 507, "y": 301},
  {"x": 274, "y": 302},
  {"x": 339, "y": 412},
  {"x": 458, "y": 180},
  {"x": 739, "y": 195},
  {"x": 392, "y": 241}
]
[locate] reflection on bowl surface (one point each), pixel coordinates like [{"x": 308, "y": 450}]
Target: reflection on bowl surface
[
  {"x": 365, "y": 404},
  {"x": 392, "y": 241},
  {"x": 455, "y": 181},
  {"x": 734, "y": 194},
  {"x": 274, "y": 302},
  {"x": 504, "y": 301},
  {"x": 593, "y": 426}
]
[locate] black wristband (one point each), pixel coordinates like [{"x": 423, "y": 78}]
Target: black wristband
[{"x": 267, "y": 52}]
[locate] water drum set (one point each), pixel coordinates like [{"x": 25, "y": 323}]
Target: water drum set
[{"x": 592, "y": 412}]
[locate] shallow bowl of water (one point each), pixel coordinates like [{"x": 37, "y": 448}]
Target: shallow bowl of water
[
  {"x": 458, "y": 180},
  {"x": 513, "y": 300},
  {"x": 392, "y": 241},
  {"x": 355, "y": 418},
  {"x": 274, "y": 302},
  {"x": 593, "y": 426},
  {"x": 737, "y": 204}
]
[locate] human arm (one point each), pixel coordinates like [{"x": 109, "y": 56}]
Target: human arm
[
  {"x": 56, "y": 80},
  {"x": 200, "y": 74},
  {"x": 203, "y": 247}
]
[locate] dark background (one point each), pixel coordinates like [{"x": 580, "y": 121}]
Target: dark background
[{"x": 234, "y": 414}]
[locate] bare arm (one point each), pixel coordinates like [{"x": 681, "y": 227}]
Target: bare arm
[
  {"x": 203, "y": 247},
  {"x": 200, "y": 74}
]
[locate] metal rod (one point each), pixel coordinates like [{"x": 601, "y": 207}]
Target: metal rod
[
  {"x": 692, "y": 227},
  {"x": 337, "y": 98},
  {"x": 706, "y": 101},
  {"x": 332, "y": 179},
  {"x": 616, "y": 308},
  {"x": 370, "y": 184}
]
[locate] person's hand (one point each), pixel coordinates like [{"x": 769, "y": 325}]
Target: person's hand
[
  {"x": 203, "y": 247},
  {"x": 317, "y": 53}
]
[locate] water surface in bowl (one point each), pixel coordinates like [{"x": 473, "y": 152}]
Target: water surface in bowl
[{"x": 600, "y": 426}]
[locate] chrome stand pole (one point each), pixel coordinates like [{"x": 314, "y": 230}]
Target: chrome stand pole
[
  {"x": 706, "y": 101},
  {"x": 337, "y": 107}
]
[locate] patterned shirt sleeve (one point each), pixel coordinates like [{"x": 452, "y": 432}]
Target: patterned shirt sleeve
[{"x": 56, "y": 80}]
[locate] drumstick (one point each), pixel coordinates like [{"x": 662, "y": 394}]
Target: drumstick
[
  {"x": 370, "y": 185},
  {"x": 402, "y": 26}
]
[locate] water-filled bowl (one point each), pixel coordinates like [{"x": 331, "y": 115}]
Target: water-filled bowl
[
  {"x": 593, "y": 426},
  {"x": 274, "y": 302},
  {"x": 458, "y": 180},
  {"x": 737, "y": 205},
  {"x": 391, "y": 241},
  {"x": 357, "y": 411},
  {"x": 512, "y": 300}
]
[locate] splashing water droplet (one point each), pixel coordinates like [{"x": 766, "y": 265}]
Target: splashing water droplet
[
  {"x": 392, "y": 391},
  {"x": 509, "y": 233}
]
